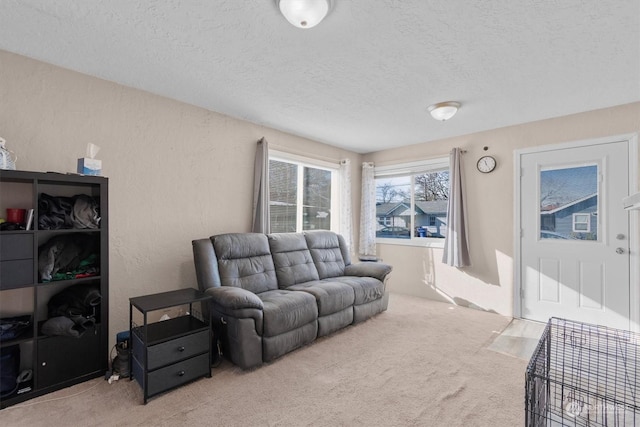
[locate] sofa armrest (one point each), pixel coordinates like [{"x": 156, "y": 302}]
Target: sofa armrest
[
  {"x": 232, "y": 299},
  {"x": 237, "y": 321},
  {"x": 368, "y": 269}
]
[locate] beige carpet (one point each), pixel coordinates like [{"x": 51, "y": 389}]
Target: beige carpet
[{"x": 421, "y": 363}]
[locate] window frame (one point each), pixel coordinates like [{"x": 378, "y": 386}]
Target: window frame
[
  {"x": 301, "y": 162},
  {"x": 411, "y": 169}
]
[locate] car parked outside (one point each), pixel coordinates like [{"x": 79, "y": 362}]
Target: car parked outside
[{"x": 394, "y": 232}]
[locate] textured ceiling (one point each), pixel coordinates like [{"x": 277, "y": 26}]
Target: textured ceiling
[{"x": 364, "y": 77}]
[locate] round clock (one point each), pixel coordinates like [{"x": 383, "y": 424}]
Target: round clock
[{"x": 486, "y": 164}]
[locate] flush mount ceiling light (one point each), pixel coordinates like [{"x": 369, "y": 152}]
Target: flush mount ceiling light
[
  {"x": 444, "y": 110},
  {"x": 304, "y": 13}
]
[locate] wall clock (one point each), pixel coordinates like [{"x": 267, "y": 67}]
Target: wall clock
[{"x": 486, "y": 164}]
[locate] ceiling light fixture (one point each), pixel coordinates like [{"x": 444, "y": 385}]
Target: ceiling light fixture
[
  {"x": 444, "y": 110},
  {"x": 304, "y": 13}
]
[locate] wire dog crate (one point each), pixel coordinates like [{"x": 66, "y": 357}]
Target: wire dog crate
[{"x": 583, "y": 375}]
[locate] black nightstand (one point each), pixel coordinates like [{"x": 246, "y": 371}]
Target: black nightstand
[{"x": 169, "y": 353}]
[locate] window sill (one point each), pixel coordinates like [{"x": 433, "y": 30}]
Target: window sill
[{"x": 417, "y": 242}]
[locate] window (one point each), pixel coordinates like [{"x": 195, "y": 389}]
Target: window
[
  {"x": 581, "y": 223},
  {"x": 303, "y": 194},
  {"x": 569, "y": 198},
  {"x": 411, "y": 202},
  {"x": 547, "y": 222}
]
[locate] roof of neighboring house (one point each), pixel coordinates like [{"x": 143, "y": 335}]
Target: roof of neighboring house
[
  {"x": 385, "y": 209},
  {"x": 433, "y": 207},
  {"x": 551, "y": 209}
]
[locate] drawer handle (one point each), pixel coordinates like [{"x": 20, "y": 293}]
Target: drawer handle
[
  {"x": 181, "y": 348},
  {"x": 181, "y": 373}
]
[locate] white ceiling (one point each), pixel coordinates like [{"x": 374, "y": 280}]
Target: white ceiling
[{"x": 364, "y": 77}]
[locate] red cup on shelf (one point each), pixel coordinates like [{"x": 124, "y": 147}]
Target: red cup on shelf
[{"x": 16, "y": 215}]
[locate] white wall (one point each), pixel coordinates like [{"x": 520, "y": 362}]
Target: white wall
[
  {"x": 488, "y": 283},
  {"x": 176, "y": 172}
]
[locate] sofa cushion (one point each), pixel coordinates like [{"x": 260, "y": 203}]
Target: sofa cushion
[
  {"x": 366, "y": 289},
  {"x": 326, "y": 253},
  {"x": 292, "y": 259},
  {"x": 244, "y": 261},
  {"x": 286, "y": 310},
  {"x": 331, "y": 296}
]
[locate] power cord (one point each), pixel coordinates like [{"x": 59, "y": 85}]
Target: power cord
[
  {"x": 218, "y": 360},
  {"x": 24, "y": 405}
]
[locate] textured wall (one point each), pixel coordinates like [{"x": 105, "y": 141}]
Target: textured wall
[
  {"x": 488, "y": 284},
  {"x": 176, "y": 172}
]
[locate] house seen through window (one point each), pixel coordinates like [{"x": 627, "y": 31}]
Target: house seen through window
[
  {"x": 411, "y": 201},
  {"x": 302, "y": 196}
]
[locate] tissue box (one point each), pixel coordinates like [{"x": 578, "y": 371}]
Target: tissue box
[{"x": 88, "y": 166}]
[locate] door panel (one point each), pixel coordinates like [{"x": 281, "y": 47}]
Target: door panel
[
  {"x": 592, "y": 285},
  {"x": 549, "y": 280},
  {"x": 574, "y": 263}
]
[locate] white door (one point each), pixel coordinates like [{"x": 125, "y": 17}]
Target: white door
[{"x": 575, "y": 234}]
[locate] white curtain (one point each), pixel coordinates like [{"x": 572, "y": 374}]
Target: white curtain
[
  {"x": 368, "y": 212},
  {"x": 345, "y": 203},
  {"x": 456, "y": 244},
  {"x": 261, "y": 214}
]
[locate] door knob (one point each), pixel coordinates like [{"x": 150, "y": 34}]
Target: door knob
[{"x": 619, "y": 250}]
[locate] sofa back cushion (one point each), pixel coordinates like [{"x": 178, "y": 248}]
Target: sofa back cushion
[
  {"x": 244, "y": 261},
  {"x": 292, "y": 259},
  {"x": 326, "y": 253}
]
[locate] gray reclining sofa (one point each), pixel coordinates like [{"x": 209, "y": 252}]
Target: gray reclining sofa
[{"x": 277, "y": 292}]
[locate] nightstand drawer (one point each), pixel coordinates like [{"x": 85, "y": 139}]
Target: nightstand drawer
[
  {"x": 177, "y": 374},
  {"x": 177, "y": 349}
]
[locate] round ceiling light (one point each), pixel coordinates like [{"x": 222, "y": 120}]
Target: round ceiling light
[
  {"x": 304, "y": 13},
  {"x": 444, "y": 110}
]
